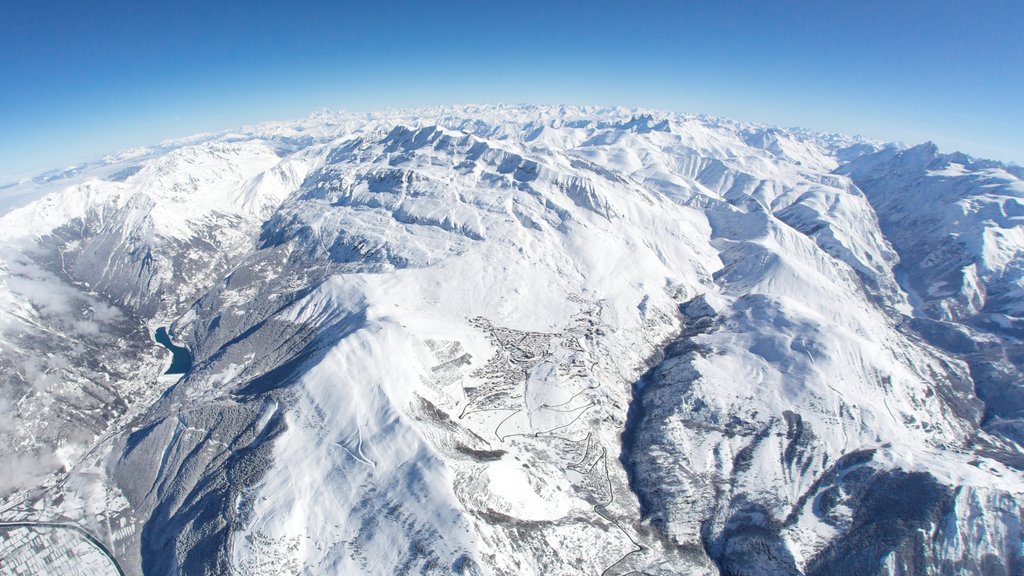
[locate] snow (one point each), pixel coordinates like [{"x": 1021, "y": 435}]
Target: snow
[{"x": 432, "y": 321}]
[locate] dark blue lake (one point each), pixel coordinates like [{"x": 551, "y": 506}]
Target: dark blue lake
[{"x": 181, "y": 359}]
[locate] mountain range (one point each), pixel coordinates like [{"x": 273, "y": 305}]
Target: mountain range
[{"x": 517, "y": 340}]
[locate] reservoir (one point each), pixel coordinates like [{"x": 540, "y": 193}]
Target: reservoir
[{"x": 181, "y": 359}]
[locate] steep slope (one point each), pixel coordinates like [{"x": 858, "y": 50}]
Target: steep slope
[
  {"x": 962, "y": 262},
  {"x": 538, "y": 340}
]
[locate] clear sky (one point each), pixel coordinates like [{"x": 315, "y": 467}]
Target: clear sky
[{"x": 79, "y": 79}]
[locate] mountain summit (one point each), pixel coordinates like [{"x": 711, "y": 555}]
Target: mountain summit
[{"x": 518, "y": 340}]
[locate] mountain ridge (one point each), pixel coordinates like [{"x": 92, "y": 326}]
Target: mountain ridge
[{"x": 433, "y": 329}]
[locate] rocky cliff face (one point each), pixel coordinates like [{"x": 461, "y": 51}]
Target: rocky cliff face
[{"x": 531, "y": 340}]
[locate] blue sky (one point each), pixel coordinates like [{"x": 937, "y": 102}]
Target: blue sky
[{"x": 79, "y": 79}]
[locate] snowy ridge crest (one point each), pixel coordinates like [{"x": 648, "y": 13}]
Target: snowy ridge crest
[{"x": 526, "y": 339}]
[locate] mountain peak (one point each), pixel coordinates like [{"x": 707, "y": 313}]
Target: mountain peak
[{"x": 512, "y": 339}]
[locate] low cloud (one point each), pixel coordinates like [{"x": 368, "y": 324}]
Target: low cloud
[
  {"x": 26, "y": 469},
  {"x": 65, "y": 307},
  {"x": 43, "y": 373},
  {"x": 20, "y": 469},
  {"x": 105, "y": 313}
]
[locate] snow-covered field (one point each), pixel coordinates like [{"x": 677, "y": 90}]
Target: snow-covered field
[{"x": 521, "y": 340}]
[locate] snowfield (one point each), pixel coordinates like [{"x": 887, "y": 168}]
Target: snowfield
[{"x": 521, "y": 340}]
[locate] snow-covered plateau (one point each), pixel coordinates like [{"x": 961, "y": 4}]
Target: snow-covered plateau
[{"x": 515, "y": 340}]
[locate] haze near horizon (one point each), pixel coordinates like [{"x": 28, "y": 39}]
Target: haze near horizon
[{"x": 84, "y": 80}]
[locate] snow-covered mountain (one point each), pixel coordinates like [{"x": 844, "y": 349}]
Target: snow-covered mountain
[{"x": 521, "y": 340}]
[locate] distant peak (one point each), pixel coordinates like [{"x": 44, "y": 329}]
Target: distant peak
[{"x": 644, "y": 123}]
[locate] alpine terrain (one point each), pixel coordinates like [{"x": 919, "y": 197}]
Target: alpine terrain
[{"x": 514, "y": 340}]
